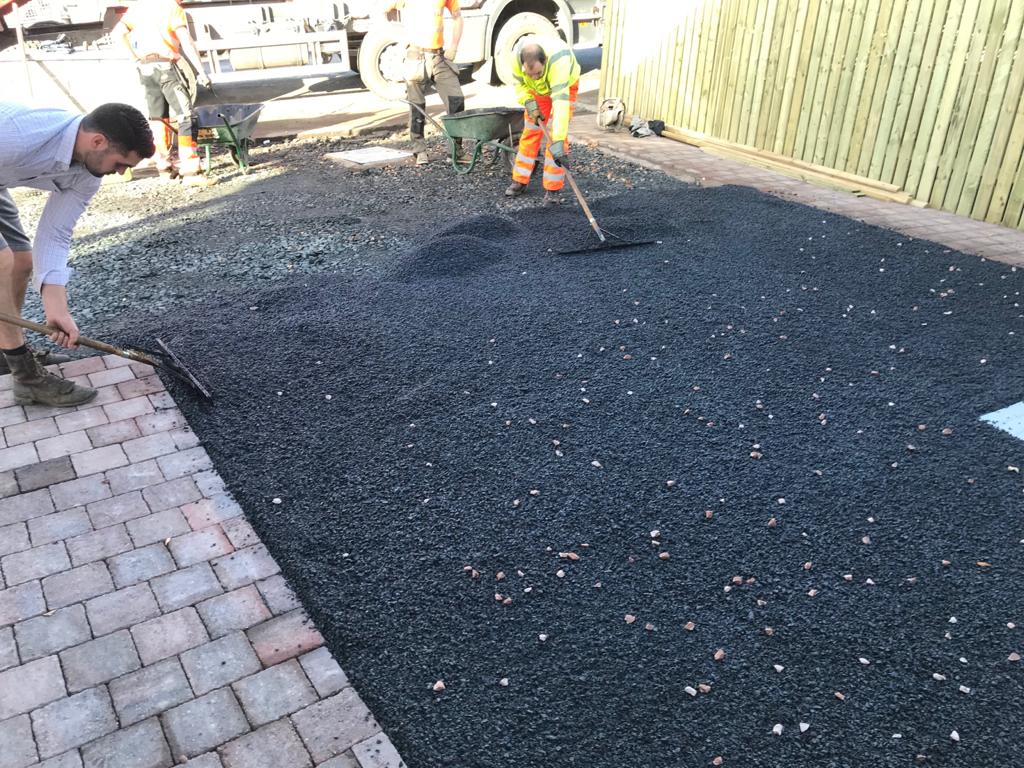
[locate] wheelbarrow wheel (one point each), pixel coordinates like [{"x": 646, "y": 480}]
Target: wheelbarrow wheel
[{"x": 241, "y": 155}]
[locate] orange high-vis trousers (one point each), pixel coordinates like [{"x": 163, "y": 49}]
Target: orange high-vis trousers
[{"x": 529, "y": 146}]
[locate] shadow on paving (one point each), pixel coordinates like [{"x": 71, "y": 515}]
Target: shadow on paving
[{"x": 479, "y": 402}]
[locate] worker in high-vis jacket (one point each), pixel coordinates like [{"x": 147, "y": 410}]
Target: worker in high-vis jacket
[{"x": 547, "y": 78}]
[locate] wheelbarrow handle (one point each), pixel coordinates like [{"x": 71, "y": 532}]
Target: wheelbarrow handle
[
  {"x": 83, "y": 340},
  {"x": 576, "y": 190},
  {"x": 423, "y": 112}
]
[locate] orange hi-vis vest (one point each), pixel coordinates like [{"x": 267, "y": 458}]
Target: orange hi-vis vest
[
  {"x": 152, "y": 26},
  {"x": 424, "y": 21}
]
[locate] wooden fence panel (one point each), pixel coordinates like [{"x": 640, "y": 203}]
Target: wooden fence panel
[{"x": 921, "y": 94}]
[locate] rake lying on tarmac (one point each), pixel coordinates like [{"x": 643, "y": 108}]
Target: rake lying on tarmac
[
  {"x": 602, "y": 234},
  {"x": 165, "y": 360}
]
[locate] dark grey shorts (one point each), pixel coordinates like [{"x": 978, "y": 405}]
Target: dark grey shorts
[{"x": 12, "y": 235}]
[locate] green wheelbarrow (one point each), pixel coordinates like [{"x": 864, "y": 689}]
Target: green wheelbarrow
[
  {"x": 496, "y": 127},
  {"x": 227, "y": 125}
]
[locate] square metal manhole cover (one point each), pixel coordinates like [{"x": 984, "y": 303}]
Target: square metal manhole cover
[{"x": 369, "y": 157}]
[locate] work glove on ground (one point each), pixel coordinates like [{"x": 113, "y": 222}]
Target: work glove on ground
[
  {"x": 533, "y": 110},
  {"x": 557, "y": 150}
]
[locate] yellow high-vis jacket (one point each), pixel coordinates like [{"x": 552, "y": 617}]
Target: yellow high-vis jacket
[{"x": 561, "y": 71}]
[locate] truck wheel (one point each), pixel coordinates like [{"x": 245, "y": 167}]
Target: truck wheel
[
  {"x": 511, "y": 32},
  {"x": 380, "y": 59}
]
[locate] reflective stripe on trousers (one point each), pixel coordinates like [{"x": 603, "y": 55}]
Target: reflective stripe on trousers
[{"x": 529, "y": 148}]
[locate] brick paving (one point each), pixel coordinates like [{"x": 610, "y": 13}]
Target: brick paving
[
  {"x": 142, "y": 622},
  {"x": 691, "y": 164}
]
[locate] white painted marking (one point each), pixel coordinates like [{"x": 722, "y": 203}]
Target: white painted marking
[
  {"x": 1009, "y": 419},
  {"x": 369, "y": 155}
]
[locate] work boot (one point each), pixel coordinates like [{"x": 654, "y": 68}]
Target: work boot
[
  {"x": 34, "y": 384},
  {"x": 515, "y": 189},
  {"x": 197, "y": 180},
  {"x": 422, "y": 158},
  {"x": 41, "y": 355},
  {"x": 551, "y": 198}
]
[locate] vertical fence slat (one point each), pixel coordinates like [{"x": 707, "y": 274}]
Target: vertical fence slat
[
  {"x": 795, "y": 74},
  {"x": 821, "y": 31},
  {"x": 819, "y": 140},
  {"x": 863, "y": 116},
  {"x": 854, "y": 41},
  {"x": 781, "y": 44},
  {"x": 712, "y": 15}
]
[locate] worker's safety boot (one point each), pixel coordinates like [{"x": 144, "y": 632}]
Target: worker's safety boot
[
  {"x": 515, "y": 189},
  {"x": 34, "y": 384},
  {"x": 41, "y": 355},
  {"x": 551, "y": 198}
]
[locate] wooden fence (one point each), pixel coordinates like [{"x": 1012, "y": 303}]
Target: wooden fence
[{"x": 921, "y": 94}]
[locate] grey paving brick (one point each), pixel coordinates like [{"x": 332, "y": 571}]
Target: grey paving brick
[
  {"x": 239, "y": 609},
  {"x": 204, "y": 723},
  {"x": 274, "y": 693},
  {"x": 17, "y": 747},
  {"x": 150, "y": 691},
  {"x": 139, "y": 746},
  {"x": 239, "y": 532},
  {"x": 17, "y": 509},
  {"x": 144, "y": 385},
  {"x": 244, "y": 566},
  {"x": 183, "y": 438},
  {"x": 45, "y": 473},
  {"x": 35, "y": 563},
  {"x": 377, "y": 752},
  {"x": 169, "y": 635},
  {"x": 161, "y": 421},
  {"x": 335, "y": 725},
  {"x": 67, "y": 760},
  {"x": 140, "y": 565},
  {"x": 8, "y": 649},
  {"x": 24, "y": 688},
  {"x": 159, "y": 526},
  {"x": 199, "y": 546},
  {"x": 48, "y": 634},
  {"x": 30, "y": 431},
  {"x": 134, "y": 477},
  {"x": 98, "y": 545},
  {"x": 219, "y": 663},
  {"x": 82, "y": 366},
  {"x": 33, "y": 412},
  {"x": 14, "y": 538},
  {"x": 118, "y": 509},
  {"x": 17, "y": 456},
  {"x": 117, "y": 432},
  {"x": 58, "y": 525},
  {"x": 84, "y": 490},
  {"x": 99, "y": 460},
  {"x": 272, "y": 746},
  {"x": 77, "y": 585},
  {"x": 110, "y": 376},
  {"x": 186, "y": 587},
  {"x": 121, "y": 609},
  {"x": 182, "y": 463},
  {"x": 129, "y": 409},
  {"x": 209, "y": 760},
  {"x": 174, "y": 493},
  {"x": 21, "y": 602},
  {"x": 344, "y": 760},
  {"x": 210, "y": 483},
  {"x": 278, "y": 595},
  {"x": 63, "y": 445},
  {"x": 208, "y": 511},
  {"x": 150, "y": 446},
  {"x": 76, "y": 421},
  {"x": 8, "y": 484},
  {"x": 74, "y": 721},
  {"x": 99, "y": 661},
  {"x": 11, "y": 414},
  {"x": 324, "y": 672}
]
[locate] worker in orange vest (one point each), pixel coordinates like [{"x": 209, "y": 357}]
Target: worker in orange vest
[
  {"x": 428, "y": 62},
  {"x": 547, "y": 79},
  {"x": 155, "y": 32}
]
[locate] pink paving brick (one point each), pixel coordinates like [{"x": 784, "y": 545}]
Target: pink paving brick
[
  {"x": 169, "y": 635},
  {"x": 63, "y": 445},
  {"x": 110, "y": 376},
  {"x": 104, "y": 396},
  {"x": 161, "y": 421},
  {"x": 18, "y": 456},
  {"x": 149, "y": 446},
  {"x": 245, "y": 566},
  {"x": 284, "y": 637},
  {"x": 232, "y": 611},
  {"x": 74, "y": 421},
  {"x": 239, "y": 532},
  {"x": 162, "y": 400},
  {"x": 116, "y": 361},
  {"x": 13, "y": 414},
  {"x": 83, "y": 366},
  {"x": 135, "y": 477},
  {"x": 84, "y": 490},
  {"x": 212, "y": 510},
  {"x": 199, "y": 546},
  {"x": 33, "y": 412},
  {"x": 334, "y": 725},
  {"x": 148, "y": 385},
  {"x": 99, "y": 460},
  {"x": 128, "y": 409},
  {"x": 30, "y": 431},
  {"x": 115, "y": 432}
]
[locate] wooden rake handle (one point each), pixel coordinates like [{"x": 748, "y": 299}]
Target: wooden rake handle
[
  {"x": 83, "y": 340},
  {"x": 576, "y": 190}
]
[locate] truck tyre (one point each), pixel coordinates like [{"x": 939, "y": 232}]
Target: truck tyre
[
  {"x": 511, "y": 32},
  {"x": 380, "y": 61}
]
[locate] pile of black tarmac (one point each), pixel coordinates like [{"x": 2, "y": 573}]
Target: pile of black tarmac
[{"x": 642, "y": 508}]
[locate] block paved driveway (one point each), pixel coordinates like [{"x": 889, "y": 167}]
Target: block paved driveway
[{"x": 142, "y": 623}]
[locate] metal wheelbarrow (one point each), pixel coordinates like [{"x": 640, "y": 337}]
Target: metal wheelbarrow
[
  {"x": 227, "y": 125},
  {"x": 497, "y": 127}
]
